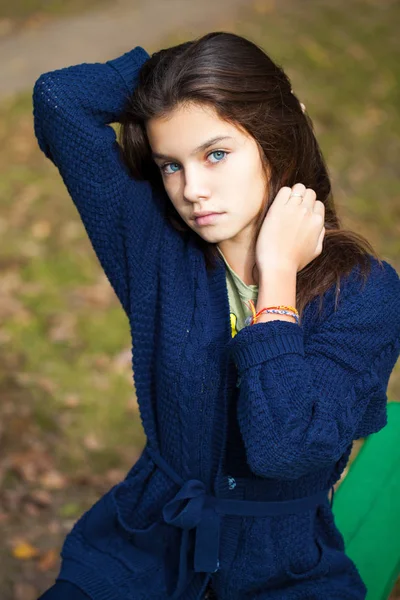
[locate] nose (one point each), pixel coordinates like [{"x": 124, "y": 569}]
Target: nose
[{"x": 196, "y": 185}]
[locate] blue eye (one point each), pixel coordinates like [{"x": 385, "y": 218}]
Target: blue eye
[
  {"x": 218, "y": 152},
  {"x": 163, "y": 167}
]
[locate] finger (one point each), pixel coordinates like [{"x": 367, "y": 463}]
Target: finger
[
  {"x": 319, "y": 208},
  {"x": 309, "y": 199},
  {"x": 283, "y": 194},
  {"x": 321, "y": 240},
  {"x": 293, "y": 194}
]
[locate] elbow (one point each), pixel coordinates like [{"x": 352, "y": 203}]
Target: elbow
[
  {"x": 44, "y": 102},
  {"x": 285, "y": 470},
  {"x": 40, "y": 91},
  {"x": 272, "y": 466},
  {"x": 292, "y": 460},
  {"x": 44, "y": 94},
  {"x": 52, "y": 92}
]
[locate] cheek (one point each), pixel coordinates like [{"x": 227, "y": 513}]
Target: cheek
[
  {"x": 177, "y": 204},
  {"x": 247, "y": 191},
  {"x": 170, "y": 192},
  {"x": 172, "y": 189},
  {"x": 244, "y": 172},
  {"x": 258, "y": 187}
]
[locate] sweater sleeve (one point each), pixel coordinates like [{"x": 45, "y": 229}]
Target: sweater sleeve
[
  {"x": 72, "y": 110},
  {"x": 300, "y": 403}
]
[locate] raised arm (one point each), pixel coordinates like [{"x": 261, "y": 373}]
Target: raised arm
[
  {"x": 72, "y": 110},
  {"x": 300, "y": 405}
]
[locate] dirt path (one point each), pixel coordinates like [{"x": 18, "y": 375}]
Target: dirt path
[{"x": 105, "y": 34}]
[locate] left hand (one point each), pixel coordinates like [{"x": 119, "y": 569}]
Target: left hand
[{"x": 292, "y": 233}]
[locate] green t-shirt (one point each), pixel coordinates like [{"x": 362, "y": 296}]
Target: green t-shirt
[{"x": 238, "y": 294}]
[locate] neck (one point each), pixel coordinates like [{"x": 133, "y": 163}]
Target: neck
[{"x": 241, "y": 260}]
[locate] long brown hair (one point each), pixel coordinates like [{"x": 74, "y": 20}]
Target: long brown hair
[{"x": 245, "y": 87}]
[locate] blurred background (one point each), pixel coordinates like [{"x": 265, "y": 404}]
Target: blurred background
[{"x": 69, "y": 424}]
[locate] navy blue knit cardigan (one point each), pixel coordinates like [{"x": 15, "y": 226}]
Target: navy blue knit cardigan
[{"x": 245, "y": 435}]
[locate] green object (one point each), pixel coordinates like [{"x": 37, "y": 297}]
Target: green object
[{"x": 366, "y": 508}]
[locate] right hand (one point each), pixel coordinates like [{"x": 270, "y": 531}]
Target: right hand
[{"x": 293, "y": 230}]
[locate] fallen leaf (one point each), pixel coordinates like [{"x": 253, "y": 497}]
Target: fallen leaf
[
  {"x": 53, "y": 480},
  {"x": 25, "y": 551},
  {"x": 48, "y": 560},
  {"x": 92, "y": 442},
  {"x": 71, "y": 400},
  {"x": 41, "y": 229},
  {"x": 40, "y": 497},
  {"x": 31, "y": 509}
]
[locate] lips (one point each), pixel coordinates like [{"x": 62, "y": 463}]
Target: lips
[
  {"x": 206, "y": 214},
  {"x": 208, "y": 219}
]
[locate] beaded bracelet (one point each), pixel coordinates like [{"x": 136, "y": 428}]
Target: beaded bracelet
[{"x": 281, "y": 309}]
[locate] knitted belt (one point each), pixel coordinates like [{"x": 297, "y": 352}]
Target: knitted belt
[{"x": 197, "y": 513}]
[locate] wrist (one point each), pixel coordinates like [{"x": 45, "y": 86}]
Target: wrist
[
  {"x": 277, "y": 286},
  {"x": 272, "y": 264},
  {"x": 128, "y": 65},
  {"x": 266, "y": 317},
  {"x": 272, "y": 274}
]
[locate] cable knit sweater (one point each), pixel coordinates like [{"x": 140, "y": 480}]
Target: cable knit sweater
[{"x": 264, "y": 420}]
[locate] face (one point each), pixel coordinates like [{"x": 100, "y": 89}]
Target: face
[{"x": 224, "y": 176}]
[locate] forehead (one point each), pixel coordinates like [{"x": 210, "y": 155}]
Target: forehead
[{"x": 186, "y": 127}]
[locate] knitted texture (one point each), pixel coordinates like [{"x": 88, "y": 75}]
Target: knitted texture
[{"x": 269, "y": 414}]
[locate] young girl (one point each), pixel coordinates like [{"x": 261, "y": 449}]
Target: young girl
[{"x": 263, "y": 335}]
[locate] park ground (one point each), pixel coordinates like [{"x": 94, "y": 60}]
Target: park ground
[{"x": 69, "y": 422}]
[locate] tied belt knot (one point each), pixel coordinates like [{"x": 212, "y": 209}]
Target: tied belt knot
[
  {"x": 191, "y": 508},
  {"x": 199, "y": 514}
]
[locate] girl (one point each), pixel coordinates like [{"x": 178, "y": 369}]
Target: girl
[{"x": 263, "y": 334}]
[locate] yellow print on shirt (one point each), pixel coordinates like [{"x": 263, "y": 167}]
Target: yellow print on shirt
[{"x": 233, "y": 324}]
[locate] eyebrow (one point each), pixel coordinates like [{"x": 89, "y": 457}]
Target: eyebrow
[{"x": 204, "y": 146}]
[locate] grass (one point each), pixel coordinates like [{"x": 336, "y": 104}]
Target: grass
[
  {"x": 63, "y": 330},
  {"x": 25, "y": 12}
]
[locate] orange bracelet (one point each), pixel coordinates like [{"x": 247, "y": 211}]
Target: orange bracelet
[{"x": 281, "y": 309}]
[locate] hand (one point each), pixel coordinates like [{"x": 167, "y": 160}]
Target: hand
[{"x": 292, "y": 233}]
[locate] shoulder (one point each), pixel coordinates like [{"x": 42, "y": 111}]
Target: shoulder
[
  {"x": 363, "y": 331},
  {"x": 367, "y": 302},
  {"x": 360, "y": 299},
  {"x": 380, "y": 285}
]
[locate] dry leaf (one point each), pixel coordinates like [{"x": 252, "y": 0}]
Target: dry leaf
[
  {"x": 28, "y": 465},
  {"x": 41, "y": 229},
  {"x": 53, "y": 480},
  {"x": 91, "y": 442},
  {"x": 48, "y": 560},
  {"x": 71, "y": 400},
  {"x": 31, "y": 509},
  {"x": 25, "y": 551}
]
